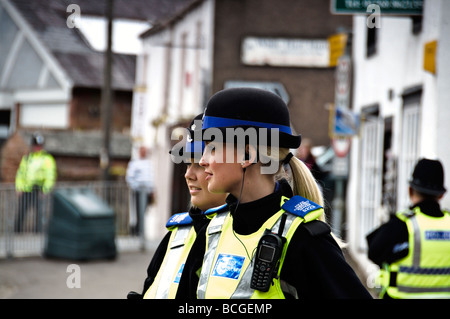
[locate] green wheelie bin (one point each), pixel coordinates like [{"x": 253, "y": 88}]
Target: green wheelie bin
[{"x": 81, "y": 227}]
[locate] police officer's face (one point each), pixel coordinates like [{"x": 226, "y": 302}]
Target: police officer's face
[
  {"x": 224, "y": 171},
  {"x": 198, "y": 188}
]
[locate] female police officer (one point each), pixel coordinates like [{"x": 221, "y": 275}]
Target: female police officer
[
  {"x": 166, "y": 267},
  {"x": 266, "y": 242}
]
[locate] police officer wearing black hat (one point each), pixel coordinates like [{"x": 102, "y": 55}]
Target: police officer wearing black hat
[
  {"x": 232, "y": 255},
  {"x": 413, "y": 248}
]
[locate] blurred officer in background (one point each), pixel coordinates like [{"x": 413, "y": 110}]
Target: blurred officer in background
[
  {"x": 413, "y": 248},
  {"x": 36, "y": 175}
]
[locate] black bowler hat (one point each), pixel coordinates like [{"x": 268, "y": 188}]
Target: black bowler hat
[
  {"x": 194, "y": 146},
  {"x": 428, "y": 177},
  {"x": 250, "y": 107}
]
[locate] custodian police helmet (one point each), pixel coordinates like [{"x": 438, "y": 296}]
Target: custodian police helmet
[
  {"x": 250, "y": 107},
  {"x": 428, "y": 177}
]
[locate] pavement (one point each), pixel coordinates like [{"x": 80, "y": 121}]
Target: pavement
[{"x": 42, "y": 278}]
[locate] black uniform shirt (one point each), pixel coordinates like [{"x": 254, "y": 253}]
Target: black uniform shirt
[
  {"x": 314, "y": 263},
  {"x": 390, "y": 242}
]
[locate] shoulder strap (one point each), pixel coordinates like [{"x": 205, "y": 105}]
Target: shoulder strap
[
  {"x": 303, "y": 207},
  {"x": 179, "y": 220},
  {"x": 404, "y": 216},
  {"x": 316, "y": 228},
  {"x": 216, "y": 210}
]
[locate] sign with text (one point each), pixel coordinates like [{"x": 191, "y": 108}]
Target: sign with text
[
  {"x": 393, "y": 7},
  {"x": 284, "y": 52}
]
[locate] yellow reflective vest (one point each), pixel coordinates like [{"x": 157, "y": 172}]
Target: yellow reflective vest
[
  {"x": 227, "y": 267},
  {"x": 425, "y": 271},
  {"x": 37, "y": 169},
  {"x": 182, "y": 238}
]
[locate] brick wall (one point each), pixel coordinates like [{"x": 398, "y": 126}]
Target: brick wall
[{"x": 309, "y": 88}]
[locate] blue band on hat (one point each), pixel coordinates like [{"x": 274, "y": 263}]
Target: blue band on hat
[
  {"x": 195, "y": 147},
  {"x": 212, "y": 121}
]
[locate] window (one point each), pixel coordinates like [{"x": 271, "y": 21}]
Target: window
[
  {"x": 371, "y": 171},
  {"x": 5, "y": 119},
  {"x": 389, "y": 190},
  {"x": 371, "y": 41},
  {"x": 409, "y": 143},
  {"x": 416, "y": 24}
]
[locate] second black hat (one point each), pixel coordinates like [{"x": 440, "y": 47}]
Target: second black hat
[{"x": 428, "y": 177}]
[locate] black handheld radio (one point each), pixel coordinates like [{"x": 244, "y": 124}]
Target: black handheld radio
[{"x": 267, "y": 258}]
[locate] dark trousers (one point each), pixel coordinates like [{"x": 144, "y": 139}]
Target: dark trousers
[
  {"x": 28, "y": 200},
  {"x": 141, "y": 201}
]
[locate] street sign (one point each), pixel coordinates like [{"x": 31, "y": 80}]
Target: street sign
[
  {"x": 346, "y": 123},
  {"x": 429, "y": 57},
  {"x": 343, "y": 121},
  {"x": 392, "y": 7},
  {"x": 343, "y": 81},
  {"x": 337, "y": 43},
  {"x": 340, "y": 167},
  {"x": 341, "y": 146}
]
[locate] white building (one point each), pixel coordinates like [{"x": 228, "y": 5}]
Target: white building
[
  {"x": 173, "y": 80},
  {"x": 405, "y": 114}
]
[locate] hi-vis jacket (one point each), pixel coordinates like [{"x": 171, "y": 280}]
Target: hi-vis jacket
[
  {"x": 37, "y": 169},
  {"x": 425, "y": 271},
  {"x": 227, "y": 266},
  {"x": 182, "y": 238}
]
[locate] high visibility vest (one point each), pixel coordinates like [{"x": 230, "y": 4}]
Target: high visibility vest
[
  {"x": 227, "y": 267},
  {"x": 165, "y": 284},
  {"x": 36, "y": 169},
  {"x": 425, "y": 271}
]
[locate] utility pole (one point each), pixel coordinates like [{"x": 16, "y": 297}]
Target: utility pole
[{"x": 107, "y": 97}]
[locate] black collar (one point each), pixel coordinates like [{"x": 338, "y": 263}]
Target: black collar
[
  {"x": 249, "y": 217},
  {"x": 430, "y": 208}
]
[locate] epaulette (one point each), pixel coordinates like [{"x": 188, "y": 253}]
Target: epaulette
[
  {"x": 316, "y": 228},
  {"x": 303, "y": 207},
  {"x": 216, "y": 210},
  {"x": 180, "y": 219},
  {"x": 405, "y": 215}
]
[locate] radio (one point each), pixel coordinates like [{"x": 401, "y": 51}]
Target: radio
[{"x": 267, "y": 260}]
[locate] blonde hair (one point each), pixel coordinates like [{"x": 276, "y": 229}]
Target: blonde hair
[{"x": 300, "y": 177}]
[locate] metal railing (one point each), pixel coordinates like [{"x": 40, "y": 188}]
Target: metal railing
[{"x": 24, "y": 217}]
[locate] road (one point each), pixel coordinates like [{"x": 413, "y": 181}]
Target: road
[
  {"x": 41, "y": 278},
  {"x": 37, "y": 277}
]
